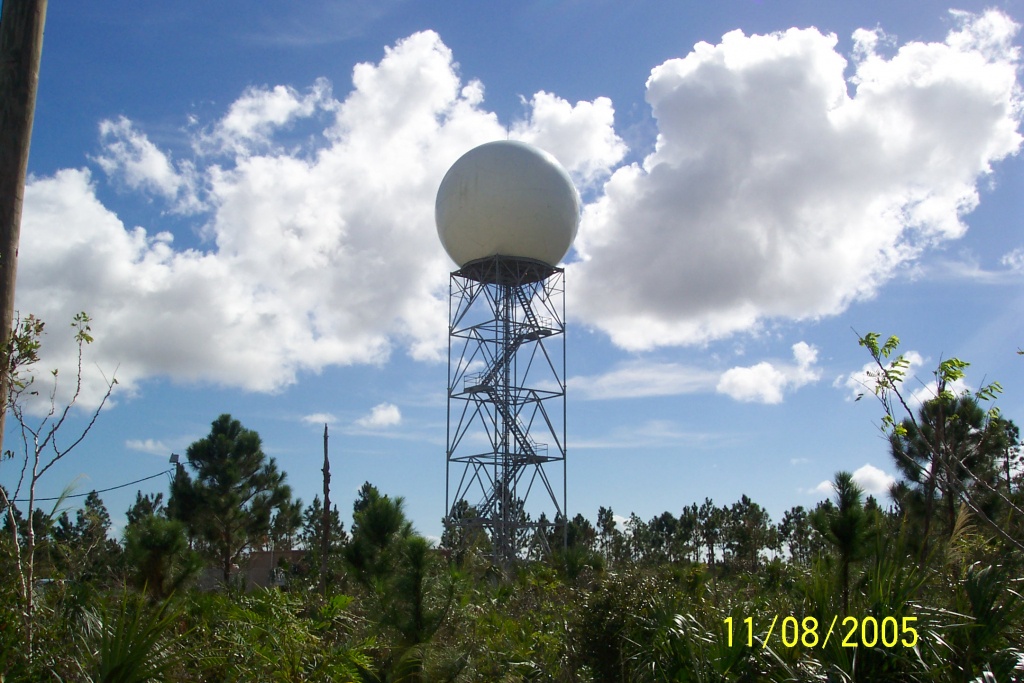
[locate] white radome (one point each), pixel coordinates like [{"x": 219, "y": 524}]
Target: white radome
[{"x": 507, "y": 198}]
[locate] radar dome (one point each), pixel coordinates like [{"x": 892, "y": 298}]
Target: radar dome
[{"x": 509, "y": 199}]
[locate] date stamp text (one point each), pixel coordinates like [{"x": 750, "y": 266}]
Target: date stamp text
[{"x": 852, "y": 631}]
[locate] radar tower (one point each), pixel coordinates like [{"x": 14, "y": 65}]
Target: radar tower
[{"x": 507, "y": 213}]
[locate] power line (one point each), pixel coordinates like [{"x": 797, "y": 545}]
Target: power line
[{"x": 83, "y": 495}]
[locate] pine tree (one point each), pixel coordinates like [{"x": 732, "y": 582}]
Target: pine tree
[{"x": 230, "y": 504}]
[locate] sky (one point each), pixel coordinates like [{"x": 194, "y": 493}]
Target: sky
[{"x": 241, "y": 197}]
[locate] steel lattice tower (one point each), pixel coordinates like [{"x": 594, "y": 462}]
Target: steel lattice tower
[{"x": 506, "y": 403}]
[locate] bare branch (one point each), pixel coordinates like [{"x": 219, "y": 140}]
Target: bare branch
[{"x": 39, "y": 442}]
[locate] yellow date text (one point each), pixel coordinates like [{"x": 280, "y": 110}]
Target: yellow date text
[{"x": 791, "y": 631}]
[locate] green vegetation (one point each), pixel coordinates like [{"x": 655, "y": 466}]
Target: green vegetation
[{"x": 928, "y": 589}]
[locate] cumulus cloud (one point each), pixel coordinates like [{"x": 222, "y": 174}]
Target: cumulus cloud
[
  {"x": 776, "y": 189},
  {"x": 766, "y": 382},
  {"x": 872, "y": 480},
  {"x": 824, "y": 488},
  {"x": 780, "y": 189},
  {"x": 382, "y": 415},
  {"x": 1014, "y": 260},
  {"x": 254, "y": 117},
  {"x": 316, "y": 254},
  {"x": 129, "y": 155},
  {"x": 582, "y": 137}
]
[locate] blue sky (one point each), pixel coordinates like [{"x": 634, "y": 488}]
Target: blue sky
[{"x": 241, "y": 195}]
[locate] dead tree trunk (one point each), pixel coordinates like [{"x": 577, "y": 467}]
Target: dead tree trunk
[{"x": 21, "y": 48}]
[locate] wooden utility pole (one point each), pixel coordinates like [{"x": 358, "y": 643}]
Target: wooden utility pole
[
  {"x": 325, "y": 536},
  {"x": 21, "y": 48}
]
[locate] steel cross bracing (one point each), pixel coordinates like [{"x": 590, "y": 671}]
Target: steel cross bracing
[{"x": 506, "y": 401}]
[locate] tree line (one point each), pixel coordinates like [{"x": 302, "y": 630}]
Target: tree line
[{"x": 692, "y": 595}]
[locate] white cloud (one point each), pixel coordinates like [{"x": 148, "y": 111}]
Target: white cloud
[
  {"x": 778, "y": 189},
  {"x": 761, "y": 383},
  {"x": 150, "y": 446},
  {"x": 318, "y": 419},
  {"x": 383, "y": 415},
  {"x": 253, "y": 118},
  {"x": 1014, "y": 260},
  {"x": 914, "y": 390},
  {"x": 581, "y": 137},
  {"x": 646, "y": 434},
  {"x": 637, "y": 379},
  {"x": 824, "y": 488},
  {"x": 866, "y": 380},
  {"x": 766, "y": 382},
  {"x": 772, "y": 192},
  {"x": 320, "y": 253},
  {"x": 315, "y": 24},
  {"x": 874, "y": 481},
  {"x": 128, "y": 154},
  {"x": 966, "y": 266},
  {"x": 930, "y": 390}
]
